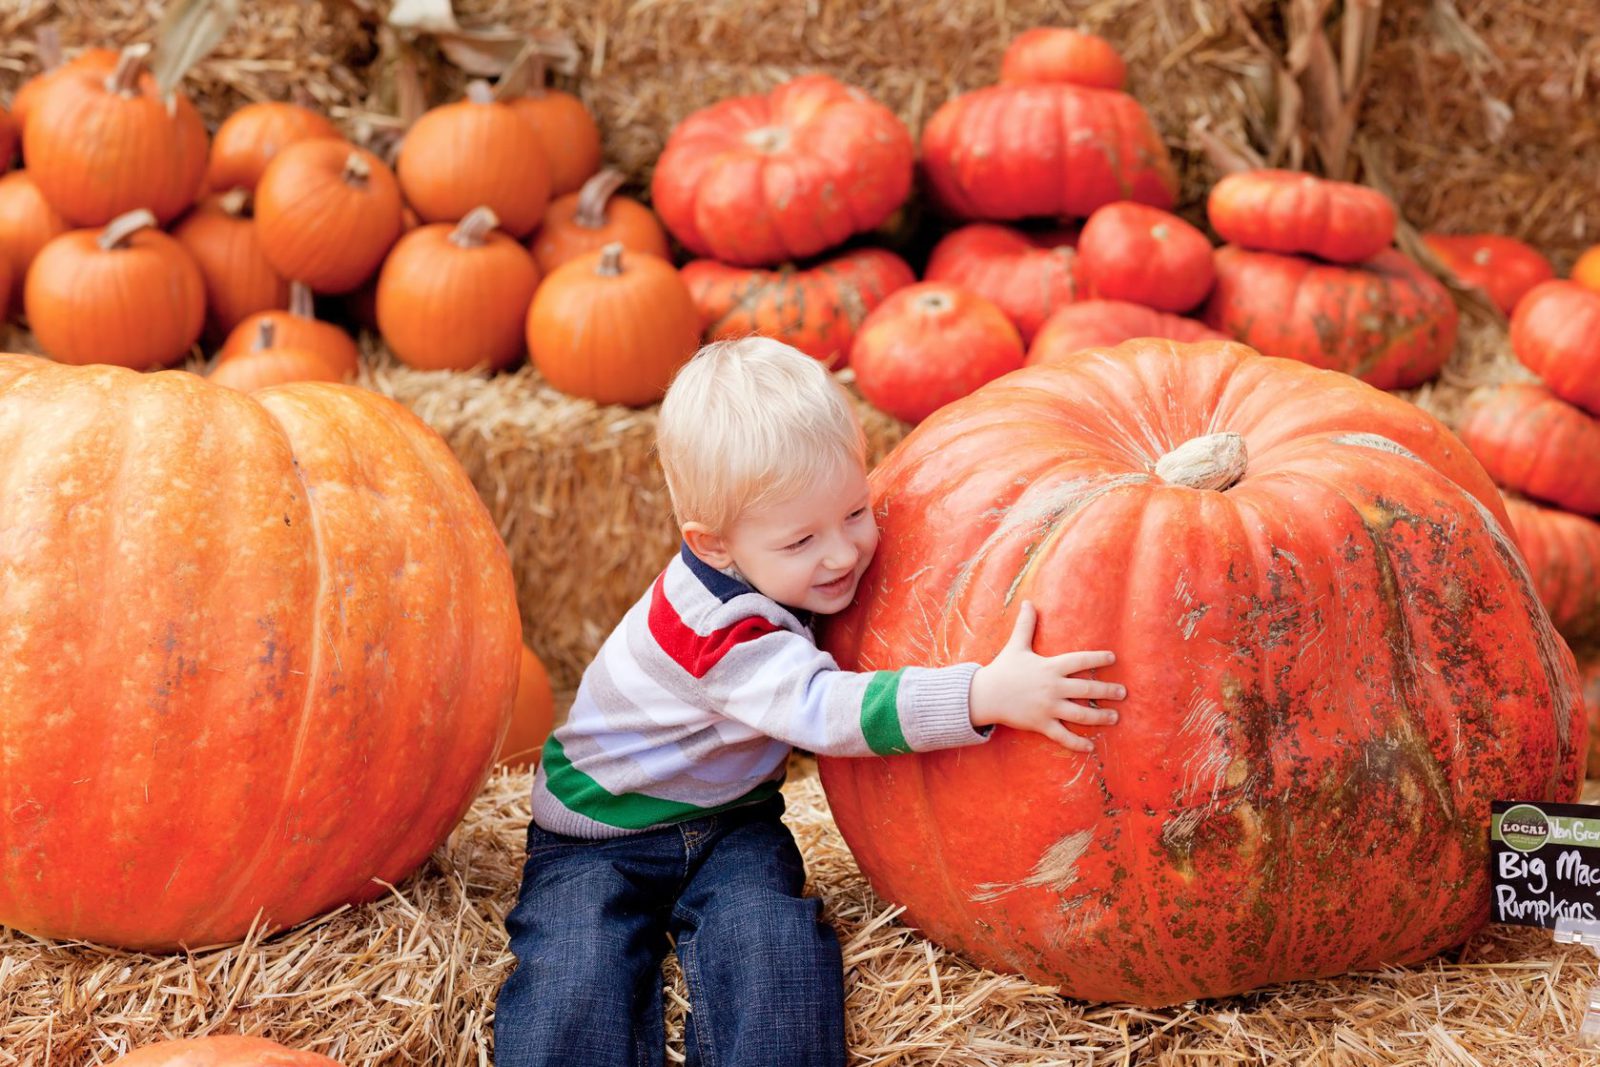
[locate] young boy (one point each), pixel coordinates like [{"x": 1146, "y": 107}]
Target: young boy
[{"x": 656, "y": 805}]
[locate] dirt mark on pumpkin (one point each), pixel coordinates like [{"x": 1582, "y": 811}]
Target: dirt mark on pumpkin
[{"x": 1057, "y": 869}]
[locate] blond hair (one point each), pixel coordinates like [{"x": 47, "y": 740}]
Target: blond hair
[{"x": 750, "y": 423}]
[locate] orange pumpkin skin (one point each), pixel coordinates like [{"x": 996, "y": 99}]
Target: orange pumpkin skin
[
  {"x": 532, "y": 719},
  {"x": 1104, "y": 323},
  {"x": 298, "y": 327},
  {"x": 223, "y": 1050},
  {"x": 264, "y": 367},
  {"x": 588, "y": 220},
  {"x": 27, "y": 224},
  {"x": 302, "y": 619},
  {"x": 756, "y": 180},
  {"x": 327, "y": 213},
  {"x": 1586, "y": 270},
  {"x": 221, "y": 237},
  {"x": 1290, "y": 212},
  {"x": 1503, "y": 267},
  {"x": 475, "y": 152},
  {"x": 1386, "y": 321},
  {"x": 1057, "y": 54},
  {"x": 1563, "y": 554},
  {"x": 1146, "y": 256},
  {"x": 140, "y": 304},
  {"x": 567, "y": 133},
  {"x": 613, "y": 326},
  {"x": 1555, "y": 332},
  {"x": 929, "y": 345},
  {"x": 452, "y": 302},
  {"x": 1245, "y": 822},
  {"x": 1535, "y": 443},
  {"x": 1025, "y": 151},
  {"x": 96, "y": 152},
  {"x": 1028, "y": 276},
  {"x": 249, "y": 138},
  {"x": 30, "y": 92},
  {"x": 817, "y": 310}
]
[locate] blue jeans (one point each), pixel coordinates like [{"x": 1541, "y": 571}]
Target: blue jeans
[{"x": 764, "y": 973}]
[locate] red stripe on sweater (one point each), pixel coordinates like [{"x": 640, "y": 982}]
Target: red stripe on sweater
[{"x": 694, "y": 652}]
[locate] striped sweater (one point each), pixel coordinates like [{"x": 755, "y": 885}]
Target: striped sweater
[{"x": 694, "y": 701}]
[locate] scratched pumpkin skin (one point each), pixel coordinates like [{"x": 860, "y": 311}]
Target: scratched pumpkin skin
[{"x": 1334, "y": 659}]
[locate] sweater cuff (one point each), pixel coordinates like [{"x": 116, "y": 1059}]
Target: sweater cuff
[{"x": 940, "y": 710}]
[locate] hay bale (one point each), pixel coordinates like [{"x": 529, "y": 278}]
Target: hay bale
[{"x": 412, "y": 979}]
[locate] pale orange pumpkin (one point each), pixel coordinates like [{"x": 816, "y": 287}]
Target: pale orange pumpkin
[
  {"x": 569, "y": 134},
  {"x": 221, "y": 236},
  {"x": 251, "y": 137},
  {"x": 127, "y": 295},
  {"x": 456, "y": 297},
  {"x": 222, "y": 1050},
  {"x": 593, "y": 217},
  {"x": 101, "y": 145},
  {"x": 613, "y": 326},
  {"x": 297, "y": 327},
  {"x": 327, "y": 213},
  {"x": 533, "y": 717},
  {"x": 27, "y": 224},
  {"x": 475, "y": 152},
  {"x": 269, "y": 362}
]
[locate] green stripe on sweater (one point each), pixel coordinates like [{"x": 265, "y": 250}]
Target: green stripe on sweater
[
  {"x": 880, "y": 714},
  {"x": 626, "y": 811}
]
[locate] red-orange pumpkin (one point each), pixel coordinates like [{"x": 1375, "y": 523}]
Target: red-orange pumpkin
[
  {"x": 249, "y": 138},
  {"x": 100, "y": 145},
  {"x": 1503, "y": 267},
  {"x": 1103, "y": 323},
  {"x": 27, "y": 224},
  {"x": 1535, "y": 443},
  {"x": 221, "y": 236},
  {"x": 221, "y": 1051},
  {"x": 298, "y": 327},
  {"x": 1027, "y": 276},
  {"x": 1238, "y": 531},
  {"x": 1555, "y": 332},
  {"x": 1147, "y": 256},
  {"x": 756, "y": 180},
  {"x": 1021, "y": 151},
  {"x": 588, "y": 220},
  {"x": 930, "y": 344},
  {"x": 1386, "y": 321},
  {"x": 533, "y": 717},
  {"x": 1287, "y": 211},
  {"x": 454, "y": 297},
  {"x": 127, "y": 295},
  {"x": 274, "y": 636},
  {"x": 1563, "y": 554},
  {"x": 327, "y": 213},
  {"x": 1058, "y": 54},
  {"x": 269, "y": 362},
  {"x": 817, "y": 310}
]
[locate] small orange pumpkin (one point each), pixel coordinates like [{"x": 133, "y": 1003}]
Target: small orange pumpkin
[
  {"x": 27, "y": 224},
  {"x": 456, "y": 297},
  {"x": 475, "y": 152},
  {"x": 298, "y": 327},
  {"x": 221, "y": 236},
  {"x": 251, "y": 137},
  {"x": 270, "y": 363},
  {"x": 102, "y": 145},
  {"x": 613, "y": 327},
  {"x": 327, "y": 213},
  {"x": 127, "y": 295},
  {"x": 533, "y": 716},
  {"x": 222, "y": 1050},
  {"x": 568, "y": 132},
  {"x": 593, "y": 217}
]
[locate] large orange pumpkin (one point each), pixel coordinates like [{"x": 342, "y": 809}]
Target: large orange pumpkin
[
  {"x": 274, "y": 637},
  {"x": 221, "y": 1051},
  {"x": 27, "y": 224},
  {"x": 534, "y": 715},
  {"x": 756, "y": 180},
  {"x": 1563, "y": 554},
  {"x": 327, "y": 213},
  {"x": 1333, "y": 655},
  {"x": 1555, "y": 332},
  {"x": 1028, "y": 276},
  {"x": 1533, "y": 442},
  {"x": 220, "y": 235}
]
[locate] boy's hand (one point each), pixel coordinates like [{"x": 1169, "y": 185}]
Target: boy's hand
[{"x": 1027, "y": 691}]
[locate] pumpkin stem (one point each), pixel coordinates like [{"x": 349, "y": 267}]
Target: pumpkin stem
[
  {"x": 235, "y": 202},
  {"x": 474, "y": 230},
  {"x": 593, "y": 197},
  {"x": 479, "y": 92},
  {"x": 266, "y": 334},
  {"x": 935, "y": 302},
  {"x": 301, "y": 304},
  {"x": 610, "y": 260},
  {"x": 124, "y": 78},
  {"x": 119, "y": 229},
  {"x": 356, "y": 169},
  {"x": 768, "y": 139},
  {"x": 1215, "y": 461}
]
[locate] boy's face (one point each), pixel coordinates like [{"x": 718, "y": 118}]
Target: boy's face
[{"x": 808, "y": 552}]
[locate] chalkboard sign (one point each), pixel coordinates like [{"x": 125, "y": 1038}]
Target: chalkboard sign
[{"x": 1546, "y": 861}]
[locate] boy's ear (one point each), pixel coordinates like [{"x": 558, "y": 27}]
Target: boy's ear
[{"x": 706, "y": 543}]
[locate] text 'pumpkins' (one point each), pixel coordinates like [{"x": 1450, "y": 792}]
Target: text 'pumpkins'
[
  {"x": 1333, "y": 655},
  {"x": 260, "y": 651}
]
